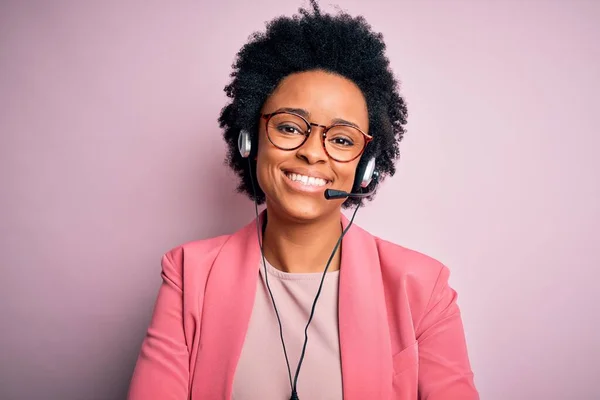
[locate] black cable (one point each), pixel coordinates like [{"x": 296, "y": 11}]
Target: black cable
[{"x": 312, "y": 312}]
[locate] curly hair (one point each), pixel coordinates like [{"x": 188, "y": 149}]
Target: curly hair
[{"x": 338, "y": 44}]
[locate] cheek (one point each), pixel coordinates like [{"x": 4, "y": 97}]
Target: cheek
[
  {"x": 267, "y": 162},
  {"x": 262, "y": 170},
  {"x": 347, "y": 175}
]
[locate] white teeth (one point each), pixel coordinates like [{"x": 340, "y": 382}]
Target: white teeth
[{"x": 306, "y": 180}]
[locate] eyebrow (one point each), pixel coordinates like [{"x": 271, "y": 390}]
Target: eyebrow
[{"x": 306, "y": 114}]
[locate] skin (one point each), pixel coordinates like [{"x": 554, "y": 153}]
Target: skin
[{"x": 303, "y": 227}]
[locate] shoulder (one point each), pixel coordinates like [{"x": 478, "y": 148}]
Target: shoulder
[
  {"x": 419, "y": 278},
  {"x": 401, "y": 266},
  {"x": 399, "y": 261},
  {"x": 192, "y": 257}
]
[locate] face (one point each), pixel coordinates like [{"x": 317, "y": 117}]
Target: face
[{"x": 324, "y": 98}]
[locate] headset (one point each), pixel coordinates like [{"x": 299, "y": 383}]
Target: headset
[{"x": 364, "y": 175}]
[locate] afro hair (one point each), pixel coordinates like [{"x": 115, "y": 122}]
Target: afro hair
[{"x": 338, "y": 44}]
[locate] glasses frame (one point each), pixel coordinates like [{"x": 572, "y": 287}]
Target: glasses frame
[{"x": 267, "y": 118}]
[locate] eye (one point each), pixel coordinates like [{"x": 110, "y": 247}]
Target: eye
[
  {"x": 344, "y": 137},
  {"x": 290, "y": 129},
  {"x": 341, "y": 141}
]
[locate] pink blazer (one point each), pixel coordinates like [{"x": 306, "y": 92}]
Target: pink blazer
[{"x": 401, "y": 334}]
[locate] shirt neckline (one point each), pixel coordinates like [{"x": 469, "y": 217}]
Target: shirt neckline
[{"x": 297, "y": 276}]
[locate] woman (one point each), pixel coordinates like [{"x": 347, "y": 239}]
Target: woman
[{"x": 300, "y": 303}]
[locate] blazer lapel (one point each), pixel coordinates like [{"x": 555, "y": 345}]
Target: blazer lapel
[
  {"x": 364, "y": 335},
  {"x": 229, "y": 298}
]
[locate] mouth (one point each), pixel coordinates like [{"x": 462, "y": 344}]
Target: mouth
[{"x": 306, "y": 182}]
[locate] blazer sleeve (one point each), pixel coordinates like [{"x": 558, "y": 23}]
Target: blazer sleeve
[
  {"x": 162, "y": 368},
  {"x": 444, "y": 367}
]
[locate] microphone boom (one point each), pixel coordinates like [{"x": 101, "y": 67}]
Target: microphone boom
[{"x": 333, "y": 194}]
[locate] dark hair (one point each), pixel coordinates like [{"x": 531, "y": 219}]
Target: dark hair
[{"x": 339, "y": 44}]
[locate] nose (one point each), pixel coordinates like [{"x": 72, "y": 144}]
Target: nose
[{"x": 312, "y": 150}]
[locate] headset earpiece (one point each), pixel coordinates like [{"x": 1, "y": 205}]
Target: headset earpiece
[
  {"x": 365, "y": 173},
  {"x": 244, "y": 143}
]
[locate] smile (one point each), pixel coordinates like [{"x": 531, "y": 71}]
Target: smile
[{"x": 306, "y": 180}]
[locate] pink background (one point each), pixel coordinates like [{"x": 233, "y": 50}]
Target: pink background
[{"x": 110, "y": 155}]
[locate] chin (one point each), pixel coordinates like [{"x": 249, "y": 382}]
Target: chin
[{"x": 302, "y": 209}]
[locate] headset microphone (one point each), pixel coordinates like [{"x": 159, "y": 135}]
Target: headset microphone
[{"x": 333, "y": 194}]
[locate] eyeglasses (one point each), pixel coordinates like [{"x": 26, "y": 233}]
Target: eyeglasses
[{"x": 289, "y": 131}]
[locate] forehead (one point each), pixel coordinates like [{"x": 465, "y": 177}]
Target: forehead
[{"x": 325, "y": 96}]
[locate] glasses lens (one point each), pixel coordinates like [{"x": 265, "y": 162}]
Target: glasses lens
[
  {"x": 287, "y": 131},
  {"x": 344, "y": 143}
]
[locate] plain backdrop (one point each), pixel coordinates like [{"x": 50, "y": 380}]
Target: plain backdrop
[{"x": 110, "y": 155}]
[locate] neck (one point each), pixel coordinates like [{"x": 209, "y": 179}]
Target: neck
[{"x": 302, "y": 247}]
